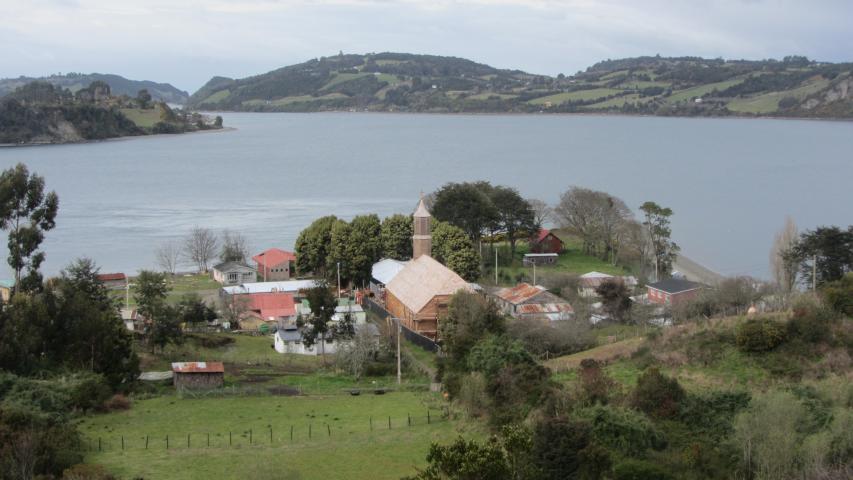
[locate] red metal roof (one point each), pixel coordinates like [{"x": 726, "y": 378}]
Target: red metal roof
[
  {"x": 272, "y": 257},
  {"x": 111, "y": 277},
  {"x": 519, "y": 293},
  {"x": 198, "y": 367},
  {"x": 272, "y": 304},
  {"x": 544, "y": 232},
  {"x": 532, "y": 308}
]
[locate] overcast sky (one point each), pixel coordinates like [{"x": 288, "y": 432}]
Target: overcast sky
[{"x": 185, "y": 42}]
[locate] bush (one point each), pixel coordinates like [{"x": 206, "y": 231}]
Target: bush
[
  {"x": 557, "y": 447},
  {"x": 550, "y": 340},
  {"x": 473, "y": 395},
  {"x": 595, "y": 385},
  {"x": 759, "y": 335},
  {"x": 83, "y": 471},
  {"x": 657, "y": 395},
  {"x": 811, "y": 321},
  {"x": 711, "y": 413},
  {"x": 839, "y": 295},
  {"x": 117, "y": 402},
  {"x": 90, "y": 393},
  {"x": 621, "y": 430},
  {"x": 639, "y": 470}
]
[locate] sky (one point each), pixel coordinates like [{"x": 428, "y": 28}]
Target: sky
[{"x": 186, "y": 42}]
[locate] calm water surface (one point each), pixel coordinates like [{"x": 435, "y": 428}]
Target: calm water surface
[{"x": 731, "y": 182}]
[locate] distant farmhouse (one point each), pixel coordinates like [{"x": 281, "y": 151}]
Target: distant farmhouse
[
  {"x": 275, "y": 264},
  {"x": 233, "y": 273},
  {"x": 113, "y": 281},
  {"x": 533, "y": 302},
  {"x": 589, "y": 282},
  {"x": 673, "y": 291},
  {"x": 545, "y": 242},
  {"x": 419, "y": 293}
]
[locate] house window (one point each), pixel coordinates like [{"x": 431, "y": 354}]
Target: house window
[{"x": 232, "y": 277}]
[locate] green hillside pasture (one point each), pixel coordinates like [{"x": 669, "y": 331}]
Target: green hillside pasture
[
  {"x": 142, "y": 118},
  {"x": 341, "y": 437},
  {"x": 612, "y": 75},
  {"x": 217, "y": 96},
  {"x": 486, "y": 95},
  {"x": 294, "y": 99},
  {"x": 578, "y": 95},
  {"x": 689, "y": 93},
  {"x": 619, "y": 101},
  {"x": 641, "y": 84},
  {"x": 769, "y": 102}
]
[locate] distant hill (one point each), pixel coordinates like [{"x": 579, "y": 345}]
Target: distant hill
[
  {"x": 120, "y": 86},
  {"x": 42, "y": 113},
  {"x": 683, "y": 86}
]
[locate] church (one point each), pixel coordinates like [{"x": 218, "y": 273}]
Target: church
[{"x": 419, "y": 293}]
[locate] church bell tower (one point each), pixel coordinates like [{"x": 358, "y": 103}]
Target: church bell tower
[{"x": 422, "y": 239}]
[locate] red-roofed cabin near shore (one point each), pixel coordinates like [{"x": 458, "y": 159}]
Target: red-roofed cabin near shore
[
  {"x": 275, "y": 264},
  {"x": 545, "y": 242},
  {"x": 113, "y": 281}
]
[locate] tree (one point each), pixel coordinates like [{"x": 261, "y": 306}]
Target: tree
[
  {"x": 26, "y": 212},
  {"x": 234, "y": 247},
  {"x": 615, "y": 299},
  {"x": 354, "y": 354},
  {"x": 826, "y": 251},
  {"x": 664, "y": 250},
  {"x": 200, "y": 247},
  {"x": 364, "y": 247},
  {"x": 312, "y": 246},
  {"x": 657, "y": 395},
  {"x": 452, "y": 247},
  {"x": 143, "y": 98},
  {"x": 150, "y": 296},
  {"x": 514, "y": 216},
  {"x": 338, "y": 258},
  {"x": 396, "y": 235},
  {"x": 233, "y": 307},
  {"x": 193, "y": 310},
  {"x": 466, "y": 206},
  {"x": 469, "y": 318},
  {"x": 323, "y": 304},
  {"x": 168, "y": 256},
  {"x": 782, "y": 267},
  {"x": 542, "y": 212},
  {"x": 600, "y": 219}
]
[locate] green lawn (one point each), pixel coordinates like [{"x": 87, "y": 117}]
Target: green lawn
[
  {"x": 341, "y": 436},
  {"x": 179, "y": 284},
  {"x": 578, "y": 95},
  {"x": 142, "y": 118}
]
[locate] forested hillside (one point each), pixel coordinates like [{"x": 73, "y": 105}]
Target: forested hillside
[
  {"x": 683, "y": 86},
  {"x": 119, "y": 85}
]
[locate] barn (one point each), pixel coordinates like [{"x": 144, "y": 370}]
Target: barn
[
  {"x": 198, "y": 375},
  {"x": 545, "y": 242}
]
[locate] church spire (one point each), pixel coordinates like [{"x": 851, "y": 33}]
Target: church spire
[{"x": 422, "y": 239}]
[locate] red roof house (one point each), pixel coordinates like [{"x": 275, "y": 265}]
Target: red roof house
[
  {"x": 545, "y": 242},
  {"x": 275, "y": 264},
  {"x": 113, "y": 281},
  {"x": 272, "y": 306}
]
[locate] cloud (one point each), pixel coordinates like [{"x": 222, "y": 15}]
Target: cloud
[{"x": 188, "y": 41}]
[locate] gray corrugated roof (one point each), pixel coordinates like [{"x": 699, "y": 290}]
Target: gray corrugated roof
[
  {"x": 675, "y": 285},
  {"x": 231, "y": 266}
]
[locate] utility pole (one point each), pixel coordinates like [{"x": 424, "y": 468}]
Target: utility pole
[
  {"x": 339, "y": 280},
  {"x": 534, "y": 272},
  {"x": 399, "y": 374},
  {"x": 496, "y": 266},
  {"x": 127, "y": 294}
]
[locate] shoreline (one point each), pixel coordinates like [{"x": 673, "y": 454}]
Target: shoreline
[
  {"x": 545, "y": 113},
  {"x": 116, "y": 139}
]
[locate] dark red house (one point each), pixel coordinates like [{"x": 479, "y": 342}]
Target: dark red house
[
  {"x": 673, "y": 291},
  {"x": 545, "y": 242}
]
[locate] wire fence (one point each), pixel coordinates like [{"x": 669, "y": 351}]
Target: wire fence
[{"x": 269, "y": 435}]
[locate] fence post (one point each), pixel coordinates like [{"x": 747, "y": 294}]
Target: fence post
[
  {"x": 99, "y": 444},
  {"x": 146, "y": 442},
  {"x": 122, "y": 442},
  {"x": 291, "y": 433},
  {"x": 329, "y": 429},
  {"x": 229, "y": 439},
  {"x": 250, "y": 436},
  {"x": 371, "y": 424},
  {"x": 409, "y": 417},
  {"x": 167, "y": 442},
  {"x": 309, "y": 431},
  {"x": 208, "y": 439},
  {"x": 270, "y": 435},
  {"x": 188, "y": 440},
  {"x": 389, "y": 423},
  {"x": 427, "y": 416}
]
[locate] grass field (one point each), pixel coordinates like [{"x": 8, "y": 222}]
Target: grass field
[
  {"x": 142, "y": 118},
  {"x": 769, "y": 102},
  {"x": 689, "y": 93},
  {"x": 217, "y": 96},
  {"x": 486, "y": 95},
  {"x": 179, "y": 284},
  {"x": 341, "y": 436},
  {"x": 578, "y": 95},
  {"x": 619, "y": 101}
]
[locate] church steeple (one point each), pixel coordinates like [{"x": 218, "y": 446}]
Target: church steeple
[{"x": 422, "y": 239}]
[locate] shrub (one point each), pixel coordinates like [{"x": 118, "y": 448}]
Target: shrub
[
  {"x": 712, "y": 413},
  {"x": 472, "y": 393},
  {"x": 557, "y": 447},
  {"x": 639, "y": 470},
  {"x": 558, "y": 338},
  {"x": 83, "y": 471},
  {"x": 117, "y": 402},
  {"x": 621, "y": 430},
  {"x": 810, "y": 322},
  {"x": 595, "y": 385},
  {"x": 759, "y": 335},
  {"x": 90, "y": 393},
  {"x": 657, "y": 395},
  {"x": 839, "y": 295}
]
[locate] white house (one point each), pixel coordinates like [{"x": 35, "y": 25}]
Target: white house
[
  {"x": 289, "y": 340},
  {"x": 233, "y": 273}
]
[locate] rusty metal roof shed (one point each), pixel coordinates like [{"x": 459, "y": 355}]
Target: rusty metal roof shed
[{"x": 198, "y": 367}]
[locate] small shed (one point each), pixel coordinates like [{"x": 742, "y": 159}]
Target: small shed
[
  {"x": 198, "y": 375},
  {"x": 540, "y": 259}
]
